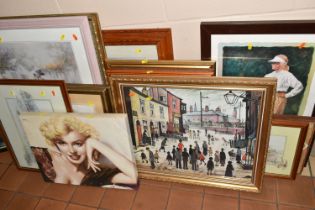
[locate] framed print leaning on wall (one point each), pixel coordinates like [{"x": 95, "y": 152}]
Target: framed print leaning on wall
[
  {"x": 54, "y": 47},
  {"x": 287, "y": 141},
  {"x": 19, "y": 96},
  {"x": 175, "y": 117},
  {"x": 138, "y": 44},
  {"x": 90, "y": 98},
  {"x": 253, "y": 49}
]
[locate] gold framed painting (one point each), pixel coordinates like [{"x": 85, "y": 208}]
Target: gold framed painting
[
  {"x": 53, "y": 47},
  {"x": 90, "y": 98},
  {"x": 161, "y": 67},
  {"x": 288, "y": 137},
  {"x": 198, "y": 130}
]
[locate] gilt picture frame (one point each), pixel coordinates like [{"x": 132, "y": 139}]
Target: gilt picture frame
[
  {"x": 53, "y": 47},
  {"x": 166, "y": 112},
  {"x": 19, "y": 96},
  {"x": 246, "y": 48},
  {"x": 161, "y": 67}
]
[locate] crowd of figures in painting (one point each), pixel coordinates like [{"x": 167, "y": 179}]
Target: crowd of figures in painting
[{"x": 211, "y": 137}]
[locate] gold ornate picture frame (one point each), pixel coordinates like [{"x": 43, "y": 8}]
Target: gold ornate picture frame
[
  {"x": 187, "y": 112},
  {"x": 161, "y": 67}
]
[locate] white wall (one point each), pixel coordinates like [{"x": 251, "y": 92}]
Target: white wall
[{"x": 182, "y": 16}]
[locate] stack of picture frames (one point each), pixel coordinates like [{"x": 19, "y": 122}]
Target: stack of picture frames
[
  {"x": 260, "y": 49},
  {"x": 58, "y": 66},
  {"x": 148, "y": 51}
]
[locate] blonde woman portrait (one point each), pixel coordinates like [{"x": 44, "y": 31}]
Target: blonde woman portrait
[{"x": 78, "y": 154}]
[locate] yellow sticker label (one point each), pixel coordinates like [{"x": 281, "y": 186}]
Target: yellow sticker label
[
  {"x": 11, "y": 93},
  {"x": 148, "y": 98},
  {"x": 250, "y": 46},
  {"x": 1, "y": 39},
  {"x": 138, "y": 51},
  {"x": 62, "y": 37},
  {"x": 144, "y": 61},
  {"x": 90, "y": 103},
  {"x": 42, "y": 93}
]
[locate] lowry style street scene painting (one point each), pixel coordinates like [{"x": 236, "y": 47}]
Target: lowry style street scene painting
[
  {"x": 38, "y": 60},
  {"x": 195, "y": 132}
]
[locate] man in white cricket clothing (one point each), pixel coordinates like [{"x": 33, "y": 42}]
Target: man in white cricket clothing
[{"x": 285, "y": 80}]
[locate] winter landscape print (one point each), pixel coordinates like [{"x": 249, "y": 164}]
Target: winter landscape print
[
  {"x": 276, "y": 150},
  {"x": 205, "y": 133},
  {"x": 38, "y": 60}
]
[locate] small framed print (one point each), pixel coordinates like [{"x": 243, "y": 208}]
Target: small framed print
[
  {"x": 19, "y": 96},
  {"x": 90, "y": 98},
  {"x": 220, "y": 123},
  {"x": 287, "y": 141},
  {"x": 138, "y": 44},
  {"x": 52, "y": 47}
]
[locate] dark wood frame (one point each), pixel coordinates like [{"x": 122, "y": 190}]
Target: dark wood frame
[
  {"x": 161, "y": 37},
  {"x": 293, "y": 122},
  {"x": 15, "y": 82},
  {"x": 100, "y": 90},
  {"x": 251, "y": 27}
]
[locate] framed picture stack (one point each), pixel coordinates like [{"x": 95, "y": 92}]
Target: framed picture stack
[{"x": 56, "y": 52}]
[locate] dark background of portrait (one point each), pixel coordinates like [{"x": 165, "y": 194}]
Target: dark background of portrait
[
  {"x": 240, "y": 61},
  {"x": 2, "y": 145}
]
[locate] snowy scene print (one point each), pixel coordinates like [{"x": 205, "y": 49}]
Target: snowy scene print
[
  {"x": 195, "y": 132},
  {"x": 276, "y": 149},
  {"x": 38, "y": 60}
]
